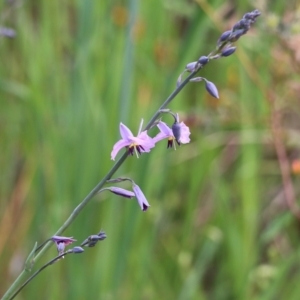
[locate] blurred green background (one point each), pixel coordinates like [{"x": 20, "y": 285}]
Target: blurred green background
[{"x": 219, "y": 226}]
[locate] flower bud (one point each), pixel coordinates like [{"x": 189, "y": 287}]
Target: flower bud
[
  {"x": 203, "y": 60},
  {"x": 237, "y": 34},
  {"x": 191, "y": 66},
  {"x": 176, "y": 129},
  {"x": 211, "y": 88},
  {"x": 224, "y": 36},
  {"x": 228, "y": 51},
  {"x": 77, "y": 249}
]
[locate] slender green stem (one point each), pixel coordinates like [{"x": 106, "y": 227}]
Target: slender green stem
[
  {"x": 38, "y": 271},
  {"x": 15, "y": 287},
  {"x": 94, "y": 191}
]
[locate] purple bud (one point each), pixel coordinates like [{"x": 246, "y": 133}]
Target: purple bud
[
  {"x": 77, "y": 249},
  {"x": 191, "y": 66},
  {"x": 102, "y": 235},
  {"x": 224, "y": 36},
  {"x": 211, "y": 88},
  {"x": 176, "y": 129},
  {"x": 203, "y": 60},
  {"x": 247, "y": 16},
  {"x": 93, "y": 237},
  {"x": 121, "y": 192},
  {"x": 228, "y": 51},
  {"x": 237, "y": 34}
]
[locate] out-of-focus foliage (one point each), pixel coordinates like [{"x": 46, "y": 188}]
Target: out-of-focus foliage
[{"x": 219, "y": 226}]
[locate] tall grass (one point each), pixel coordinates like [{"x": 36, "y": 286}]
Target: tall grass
[{"x": 218, "y": 226}]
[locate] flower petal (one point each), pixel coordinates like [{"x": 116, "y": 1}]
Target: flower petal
[
  {"x": 165, "y": 132},
  {"x": 185, "y": 133},
  {"x": 142, "y": 201},
  {"x": 125, "y": 132},
  {"x": 121, "y": 192},
  {"x": 118, "y": 146}
]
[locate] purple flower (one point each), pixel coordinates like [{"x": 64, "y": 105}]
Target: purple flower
[
  {"x": 61, "y": 242},
  {"x": 139, "y": 144},
  {"x": 179, "y": 132},
  {"x": 142, "y": 201},
  {"x": 121, "y": 192}
]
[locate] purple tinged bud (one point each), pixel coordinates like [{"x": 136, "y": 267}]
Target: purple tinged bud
[
  {"x": 228, "y": 51},
  {"x": 224, "y": 36},
  {"x": 237, "y": 34},
  {"x": 191, "y": 66},
  {"x": 77, "y": 249},
  {"x": 211, "y": 88},
  {"x": 203, "y": 60},
  {"x": 176, "y": 129},
  {"x": 93, "y": 237},
  {"x": 102, "y": 235},
  {"x": 247, "y": 16},
  {"x": 121, "y": 192}
]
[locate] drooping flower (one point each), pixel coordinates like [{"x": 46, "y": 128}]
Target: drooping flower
[
  {"x": 179, "y": 133},
  {"x": 142, "y": 201},
  {"x": 139, "y": 144},
  {"x": 61, "y": 242}
]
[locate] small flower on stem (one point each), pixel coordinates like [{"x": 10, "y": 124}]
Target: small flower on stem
[
  {"x": 139, "y": 144},
  {"x": 179, "y": 132},
  {"x": 61, "y": 242},
  {"x": 142, "y": 201}
]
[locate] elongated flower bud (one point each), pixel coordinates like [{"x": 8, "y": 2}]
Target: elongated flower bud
[
  {"x": 224, "y": 36},
  {"x": 190, "y": 67},
  {"x": 176, "y": 129},
  {"x": 121, "y": 192},
  {"x": 203, "y": 60},
  {"x": 228, "y": 51},
  {"x": 77, "y": 249},
  {"x": 211, "y": 88}
]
